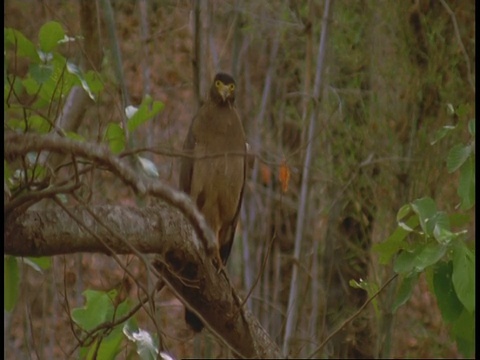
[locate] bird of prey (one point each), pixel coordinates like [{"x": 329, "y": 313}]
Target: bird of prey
[{"x": 214, "y": 176}]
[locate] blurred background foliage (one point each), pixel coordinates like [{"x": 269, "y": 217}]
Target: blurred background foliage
[{"x": 395, "y": 74}]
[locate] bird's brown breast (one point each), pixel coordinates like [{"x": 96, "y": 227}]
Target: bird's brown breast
[{"x": 218, "y": 171}]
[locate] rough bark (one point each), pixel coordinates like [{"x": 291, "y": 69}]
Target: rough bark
[
  {"x": 161, "y": 230},
  {"x": 173, "y": 230}
]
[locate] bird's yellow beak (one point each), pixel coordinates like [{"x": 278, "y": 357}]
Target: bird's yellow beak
[{"x": 224, "y": 91}]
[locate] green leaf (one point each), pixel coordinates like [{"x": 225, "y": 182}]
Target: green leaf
[
  {"x": 31, "y": 85},
  {"x": 49, "y": 36},
  {"x": 41, "y": 72},
  {"x": 457, "y": 156},
  {"x": 464, "y": 330},
  {"x": 426, "y": 210},
  {"x": 108, "y": 342},
  {"x": 44, "y": 262},
  {"x": 39, "y": 263},
  {"x": 115, "y": 137},
  {"x": 403, "y": 212},
  {"x": 444, "y": 236},
  {"x": 440, "y": 134},
  {"x": 466, "y": 186},
  {"x": 147, "y": 110},
  {"x": 94, "y": 82},
  {"x": 471, "y": 127},
  {"x": 74, "y": 136},
  {"x": 39, "y": 124},
  {"x": 371, "y": 289},
  {"x": 75, "y": 70},
  {"x": 98, "y": 309},
  {"x": 404, "y": 291},
  {"x": 463, "y": 276},
  {"x": 24, "y": 46},
  {"x": 447, "y": 299},
  {"x": 11, "y": 282},
  {"x": 395, "y": 242},
  {"x": 441, "y": 227},
  {"x": 420, "y": 258},
  {"x": 59, "y": 83}
]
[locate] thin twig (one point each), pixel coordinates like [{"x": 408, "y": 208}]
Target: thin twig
[
  {"x": 347, "y": 321},
  {"x": 460, "y": 42}
]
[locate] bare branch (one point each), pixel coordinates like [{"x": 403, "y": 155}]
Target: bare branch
[{"x": 20, "y": 144}]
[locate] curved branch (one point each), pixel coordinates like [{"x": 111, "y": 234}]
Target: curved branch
[
  {"x": 20, "y": 144},
  {"x": 169, "y": 230}
]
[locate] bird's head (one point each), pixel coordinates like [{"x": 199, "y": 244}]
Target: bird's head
[{"x": 223, "y": 89}]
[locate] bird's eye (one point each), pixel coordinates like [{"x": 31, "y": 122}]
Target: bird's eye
[
  {"x": 231, "y": 87},
  {"x": 217, "y": 83}
]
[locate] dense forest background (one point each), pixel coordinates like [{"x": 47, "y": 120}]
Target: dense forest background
[{"x": 394, "y": 74}]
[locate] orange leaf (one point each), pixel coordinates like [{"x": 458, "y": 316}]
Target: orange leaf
[
  {"x": 265, "y": 174},
  {"x": 284, "y": 175}
]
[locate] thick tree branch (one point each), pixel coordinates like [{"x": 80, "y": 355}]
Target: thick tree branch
[
  {"x": 170, "y": 230},
  {"x": 53, "y": 232},
  {"x": 159, "y": 229},
  {"x": 20, "y": 144}
]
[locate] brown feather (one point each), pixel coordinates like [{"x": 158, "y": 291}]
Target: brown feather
[{"x": 215, "y": 179}]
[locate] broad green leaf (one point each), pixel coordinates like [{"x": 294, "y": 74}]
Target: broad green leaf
[
  {"x": 146, "y": 111},
  {"x": 15, "y": 82},
  {"x": 420, "y": 258},
  {"x": 464, "y": 330},
  {"x": 94, "y": 81},
  {"x": 440, "y": 224},
  {"x": 404, "y": 291},
  {"x": 23, "y": 46},
  {"x": 447, "y": 299},
  {"x": 466, "y": 186},
  {"x": 463, "y": 276},
  {"x": 98, "y": 309},
  {"x": 59, "y": 83},
  {"x": 110, "y": 346},
  {"x": 30, "y": 85},
  {"x": 108, "y": 342},
  {"x": 430, "y": 255},
  {"x": 394, "y": 242},
  {"x": 11, "y": 282},
  {"x": 403, "y": 212},
  {"x": 49, "y": 36},
  {"x": 426, "y": 210},
  {"x": 41, "y": 72},
  {"x": 444, "y": 236},
  {"x": 39, "y": 124},
  {"x": 115, "y": 137},
  {"x": 457, "y": 156}
]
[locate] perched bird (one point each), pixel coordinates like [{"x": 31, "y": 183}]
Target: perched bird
[{"x": 215, "y": 176}]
